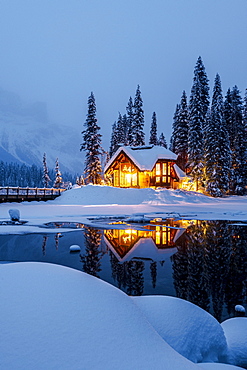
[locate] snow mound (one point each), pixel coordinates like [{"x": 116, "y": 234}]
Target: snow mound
[
  {"x": 99, "y": 195},
  {"x": 235, "y": 330},
  {"x": 54, "y": 317},
  {"x": 213, "y": 366},
  {"x": 190, "y": 330}
]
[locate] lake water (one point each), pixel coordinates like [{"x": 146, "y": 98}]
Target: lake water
[{"x": 204, "y": 262}]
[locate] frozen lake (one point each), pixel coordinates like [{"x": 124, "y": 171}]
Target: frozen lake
[{"x": 204, "y": 262}]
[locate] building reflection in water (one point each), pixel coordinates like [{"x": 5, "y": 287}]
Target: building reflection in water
[{"x": 152, "y": 241}]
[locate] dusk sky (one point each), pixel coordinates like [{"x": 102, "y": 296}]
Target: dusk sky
[{"x": 58, "y": 51}]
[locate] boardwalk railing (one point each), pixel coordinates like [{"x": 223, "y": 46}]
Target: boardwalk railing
[{"x": 17, "y": 194}]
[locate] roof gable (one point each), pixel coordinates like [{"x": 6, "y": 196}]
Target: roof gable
[{"x": 143, "y": 157}]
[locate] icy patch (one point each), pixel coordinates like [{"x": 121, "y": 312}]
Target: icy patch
[
  {"x": 236, "y": 335},
  {"x": 191, "y": 331}
]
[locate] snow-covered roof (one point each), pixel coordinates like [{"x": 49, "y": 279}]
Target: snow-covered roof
[
  {"x": 144, "y": 157},
  {"x": 180, "y": 173}
]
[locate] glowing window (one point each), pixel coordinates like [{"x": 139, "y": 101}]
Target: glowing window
[
  {"x": 157, "y": 179},
  {"x": 164, "y": 168},
  {"x": 157, "y": 168}
]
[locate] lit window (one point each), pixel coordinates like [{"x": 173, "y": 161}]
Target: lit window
[
  {"x": 157, "y": 169},
  {"x": 164, "y": 169},
  {"x": 163, "y": 179},
  {"x": 157, "y": 179},
  {"x": 169, "y": 169}
]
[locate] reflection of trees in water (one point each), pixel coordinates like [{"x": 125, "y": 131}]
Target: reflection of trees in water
[
  {"x": 92, "y": 256},
  {"x": 44, "y": 242},
  {"x": 153, "y": 271},
  {"x": 237, "y": 276},
  {"x": 213, "y": 262},
  {"x": 217, "y": 258},
  {"x": 129, "y": 275},
  {"x": 197, "y": 279}
]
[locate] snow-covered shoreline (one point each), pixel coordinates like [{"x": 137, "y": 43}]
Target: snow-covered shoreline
[{"x": 84, "y": 204}]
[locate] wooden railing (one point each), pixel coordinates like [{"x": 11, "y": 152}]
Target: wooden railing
[{"x": 17, "y": 194}]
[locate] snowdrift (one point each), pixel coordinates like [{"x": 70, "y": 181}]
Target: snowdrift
[
  {"x": 236, "y": 335},
  {"x": 99, "y": 195},
  {"x": 190, "y": 330},
  {"x": 54, "y": 317}
]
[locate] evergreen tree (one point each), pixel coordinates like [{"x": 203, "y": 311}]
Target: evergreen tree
[
  {"x": 121, "y": 131},
  {"x": 239, "y": 150},
  {"x": 130, "y": 117},
  {"x": 182, "y": 132},
  {"x": 153, "y": 132},
  {"x": 58, "y": 180},
  {"x": 113, "y": 144},
  {"x": 92, "y": 144},
  {"x": 174, "y": 136},
  {"x": 217, "y": 147},
  {"x": 162, "y": 141},
  {"x": 46, "y": 178},
  {"x": 125, "y": 129},
  {"x": 198, "y": 107},
  {"x": 195, "y": 135},
  {"x": 138, "y": 120}
]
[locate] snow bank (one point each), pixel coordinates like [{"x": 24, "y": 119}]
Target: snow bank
[
  {"x": 54, "y": 317},
  {"x": 191, "y": 331},
  {"x": 96, "y": 194},
  {"x": 213, "y": 366},
  {"x": 236, "y": 335}
]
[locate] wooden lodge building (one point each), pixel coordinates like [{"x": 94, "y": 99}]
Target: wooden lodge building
[{"x": 144, "y": 167}]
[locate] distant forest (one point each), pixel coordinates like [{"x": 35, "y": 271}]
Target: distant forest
[{"x": 13, "y": 174}]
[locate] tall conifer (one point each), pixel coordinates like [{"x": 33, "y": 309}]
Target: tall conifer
[
  {"x": 92, "y": 144},
  {"x": 217, "y": 147},
  {"x": 153, "y": 131},
  {"x": 138, "y": 120}
]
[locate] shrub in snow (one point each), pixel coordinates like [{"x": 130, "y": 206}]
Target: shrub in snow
[
  {"x": 14, "y": 214},
  {"x": 235, "y": 330},
  {"x": 190, "y": 330}
]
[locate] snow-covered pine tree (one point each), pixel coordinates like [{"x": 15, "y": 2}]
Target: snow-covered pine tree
[
  {"x": 92, "y": 145},
  {"x": 121, "y": 130},
  {"x": 153, "y": 131},
  {"x": 198, "y": 108},
  {"x": 46, "y": 179},
  {"x": 239, "y": 149},
  {"x": 216, "y": 146},
  {"x": 204, "y": 87},
  {"x": 162, "y": 140},
  {"x": 138, "y": 120},
  {"x": 125, "y": 128},
  {"x": 181, "y": 148},
  {"x": 173, "y": 139},
  {"x": 195, "y": 135},
  {"x": 113, "y": 144},
  {"x": 58, "y": 179},
  {"x": 130, "y": 116}
]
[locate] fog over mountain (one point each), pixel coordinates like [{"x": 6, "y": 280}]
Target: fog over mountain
[{"x": 26, "y": 133}]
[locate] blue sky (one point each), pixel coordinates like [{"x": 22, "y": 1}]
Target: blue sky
[{"x": 59, "y": 51}]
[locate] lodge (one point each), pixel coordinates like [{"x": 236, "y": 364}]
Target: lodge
[{"x": 144, "y": 167}]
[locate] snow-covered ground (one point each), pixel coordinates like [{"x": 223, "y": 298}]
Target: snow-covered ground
[
  {"x": 54, "y": 317},
  {"x": 80, "y": 204}
]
